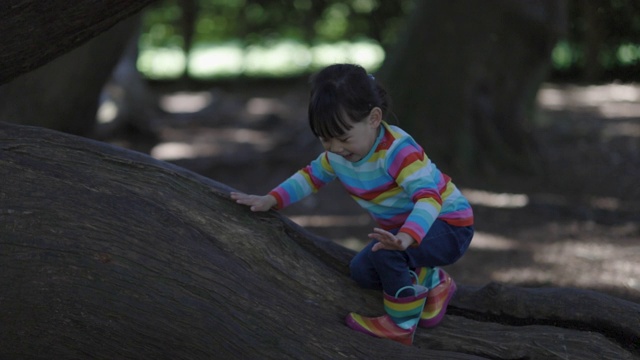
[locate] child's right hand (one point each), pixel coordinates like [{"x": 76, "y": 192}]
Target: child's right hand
[{"x": 255, "y": 202}]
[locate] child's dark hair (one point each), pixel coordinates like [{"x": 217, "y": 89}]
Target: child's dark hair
[{"x": 343, "y": 92}]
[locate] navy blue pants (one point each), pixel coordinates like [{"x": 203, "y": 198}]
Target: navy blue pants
[{"x": 388, "y": 270}]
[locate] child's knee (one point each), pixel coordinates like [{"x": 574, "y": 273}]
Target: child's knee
[{"x": 362, "y": 275}]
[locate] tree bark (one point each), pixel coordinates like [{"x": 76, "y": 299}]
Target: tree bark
[
  {"x": 35, "y": 32},
  {"x": 64, "y": 93},
  {"x": 463, "y": 77},
  {"x": 108, "y": 253}
]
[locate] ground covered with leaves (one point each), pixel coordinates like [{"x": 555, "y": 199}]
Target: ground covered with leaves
[{"x": 575, "y": 225}]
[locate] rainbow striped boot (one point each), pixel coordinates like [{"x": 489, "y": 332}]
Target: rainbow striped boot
[
  {"x": 441, "y": 289},
  {"x": 401, "y": 318}
]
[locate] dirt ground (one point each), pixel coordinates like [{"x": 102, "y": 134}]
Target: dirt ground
[{"x": 577, "y": 226}]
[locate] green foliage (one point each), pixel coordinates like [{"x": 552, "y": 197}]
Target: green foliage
[
  {"x": 628, "y": 54},
  {"x": 159, "y": 26},
  {"x": 603, "y": 41},
  {"x": 334, "y": 21},
  {"x": 266, "y": 38},
  {"x": 563, "y": 55},
  {"x": 308, "y": 20}
]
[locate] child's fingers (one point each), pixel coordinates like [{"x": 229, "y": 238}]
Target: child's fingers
[
  {"x": 383, "y": 233},
  {"x": 377, "y": 246},
  {"x": 386, "y": 240},
  {"x": 242, "y": 199},
  {"x": 236, "y": 195}
]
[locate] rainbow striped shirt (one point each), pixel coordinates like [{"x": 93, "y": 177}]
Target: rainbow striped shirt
[{"x": 396, "y": 183}]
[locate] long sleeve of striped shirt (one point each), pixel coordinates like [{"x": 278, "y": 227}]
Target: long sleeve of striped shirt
[{"x": 396, "y": 183}]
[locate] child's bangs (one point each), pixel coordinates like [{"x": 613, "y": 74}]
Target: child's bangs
[{"x": 329, "y": 122}]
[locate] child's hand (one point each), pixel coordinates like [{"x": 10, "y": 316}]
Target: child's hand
[
  {"x": 388, "y": 241},
  {"x": 256, "y": 202}
]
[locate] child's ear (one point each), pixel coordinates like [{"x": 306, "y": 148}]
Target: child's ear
[{"x": 375, "y": 117}]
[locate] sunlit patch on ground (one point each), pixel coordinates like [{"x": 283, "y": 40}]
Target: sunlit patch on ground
[
  {"x": 211, "y": 124},
  {"x": 605, "y": 96},
  {"x": 176, "y": 150},
  {"x": 584, "y": 264},
  {"x": 330, "y": 220},
  {"x": 185, "y": 102},
  {"x": 618, "y": 102},
  {"x": 201, "y": 143},
  {"x": 498, "y": 200},
  {"x": 513, "y": 201},
  {"x": 264, "y": 106},
  {"x": 352, "y": 243},
  {"x": 482, "y": 240},
  {"x": 622, "y": 129},
  {"x": 335, "y": 222}
]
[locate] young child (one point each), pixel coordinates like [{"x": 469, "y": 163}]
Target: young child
[{"x": 424, "y": 221}]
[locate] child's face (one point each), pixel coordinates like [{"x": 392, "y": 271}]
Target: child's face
[{"x": 356, "y": 143}]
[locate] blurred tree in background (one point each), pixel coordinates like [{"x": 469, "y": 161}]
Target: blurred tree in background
[{"x": 464, "y": 84}]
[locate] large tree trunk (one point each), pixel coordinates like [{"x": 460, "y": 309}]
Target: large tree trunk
[
  {"x": 108, "y": 253},
  {"x": 35, "y": 32},
  {"x": 464, "y": 76},
  {"x": 63, "y": 94}
]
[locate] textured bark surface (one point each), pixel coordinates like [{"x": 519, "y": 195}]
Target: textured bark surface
[
  {"x": 108, "y": 253},
  {"x": 35, "y": 32}
]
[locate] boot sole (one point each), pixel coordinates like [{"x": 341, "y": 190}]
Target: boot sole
[{"x": 405, "y": 339}]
